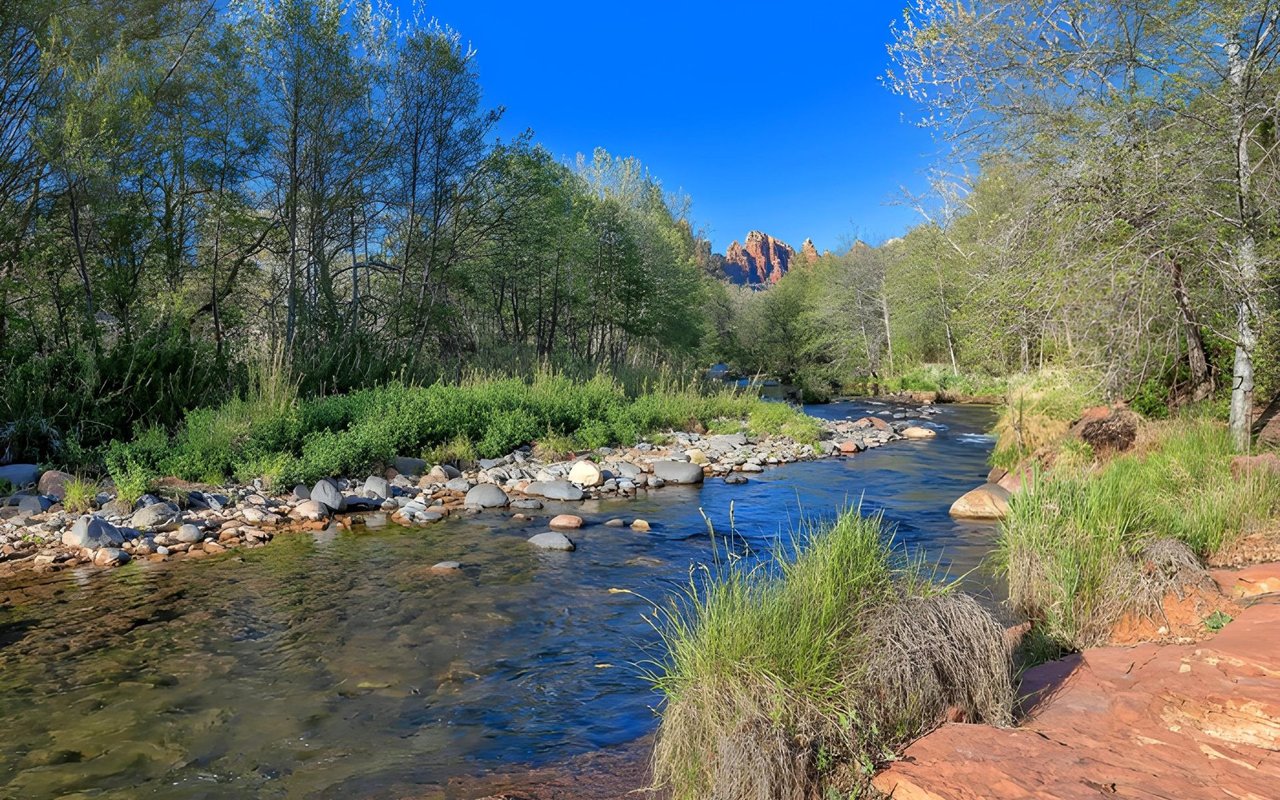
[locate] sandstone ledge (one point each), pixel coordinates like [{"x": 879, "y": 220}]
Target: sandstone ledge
[{"x": 1172, "y": 721}]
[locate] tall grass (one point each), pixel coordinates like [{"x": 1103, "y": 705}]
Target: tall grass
[
  {"x": 1038, "y": 410},
  {"x": 806, "y": 671},
  {"x": 1073, "y": 546},
  {"x": 274, "y": 434}
]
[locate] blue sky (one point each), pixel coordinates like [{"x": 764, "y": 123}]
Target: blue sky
[{"x": 769, "y": 116}]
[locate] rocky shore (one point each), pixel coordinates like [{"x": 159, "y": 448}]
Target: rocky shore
[{"x": 188, "y": 521}]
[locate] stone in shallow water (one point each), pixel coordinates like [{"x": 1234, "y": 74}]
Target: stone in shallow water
[
  {"x": 566, "y": 522},
  {"x": 446, "y": 567},
  {"x": 110, "y": 557},
  {"x": 552, "y": 541},
  {"x": 486, "y": 495},
  {"x": 555, "y": 490},
  {"x": 678, "y": 471},
  {"x": 527, "y": 504}
]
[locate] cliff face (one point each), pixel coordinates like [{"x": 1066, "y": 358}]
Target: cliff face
[{"x": 761, "y": 261}]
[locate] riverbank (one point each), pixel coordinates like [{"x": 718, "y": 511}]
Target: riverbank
[{"x": 186, "y": 520}]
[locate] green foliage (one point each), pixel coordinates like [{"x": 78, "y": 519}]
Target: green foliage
[
  {"x": 79, "y": 495},
  {"x": 1218, "y": 620},
  {"x": 779, "y": 419},
  {"x": 1070, "y": 545},
  {"x": 286, "y": 440}
]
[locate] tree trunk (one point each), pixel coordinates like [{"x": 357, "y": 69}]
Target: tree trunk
[{"x": 1244, "y": 258}]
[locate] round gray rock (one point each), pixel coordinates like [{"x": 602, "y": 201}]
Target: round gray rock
[
  {"x": 556, "y": 490},
  {"x": 678, "y": 471},
  {"x": 552, "y": 541},
  {"x": 486, "y": 495},
  {"x": 327, "y": 494},
  {"x": 155, "y": 517},
  {"x": 91, "y": 533},
  {"x": 189, "y": 533}
]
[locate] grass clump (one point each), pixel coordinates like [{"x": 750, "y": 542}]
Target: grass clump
[
  {"x": 1087, "y": 544},
  {"x": 802, "y": 674},
  {"x": 79, "y": 495}
]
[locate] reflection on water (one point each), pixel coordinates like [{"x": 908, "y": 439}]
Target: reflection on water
[{"x": 337, "y": 666}]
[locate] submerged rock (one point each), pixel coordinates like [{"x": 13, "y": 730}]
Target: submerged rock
[{"x": 552, "y": 541}]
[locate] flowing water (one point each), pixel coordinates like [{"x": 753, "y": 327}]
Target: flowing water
[{"x": 335, "y": 665}]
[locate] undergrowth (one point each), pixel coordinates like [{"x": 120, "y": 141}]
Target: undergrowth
[{"x": 272, "y": 434}]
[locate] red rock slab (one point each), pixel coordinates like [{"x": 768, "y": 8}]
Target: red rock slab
[
  {"x": 1179, "y": 722},
  {"x": 1253, "y": 581}
]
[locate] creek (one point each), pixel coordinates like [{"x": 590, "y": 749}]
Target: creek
[{"x": 336, "y": 665}]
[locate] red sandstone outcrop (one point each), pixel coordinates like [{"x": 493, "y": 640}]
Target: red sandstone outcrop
[
  {"x": 1175, "y": 721},
  {"x": 762, "y": 261},
  {"x": 809, "y": 250}
]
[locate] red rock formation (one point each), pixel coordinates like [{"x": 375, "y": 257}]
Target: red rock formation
[
  {"x": 1196, "y": 722},
  {"x": 762, "y": 261},
  {"x": 809, "y": 250}
]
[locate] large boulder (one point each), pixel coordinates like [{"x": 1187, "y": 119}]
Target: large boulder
[
  {"x": 1243, "y": 466},
  {"x": 412, "y": 467},
  {"x": 311, "y": 511},
  {"x": 555, "y": 490},
  {"x": 678, "y": 471},
  {"x": 20, "y": 476},
  {"x": 54, "y": 483},
  {"x": 586, "y": 473},
  {"x": 486, "y": 495},
  {"x": 552, "y": 541},
  {"x": 988, "y": 501},
  {"x": 91, "y": 533},
  {"x": 377, "y": 486},
  {"x": 326, "y": 493},
  {"x": 156, "y": 517}
]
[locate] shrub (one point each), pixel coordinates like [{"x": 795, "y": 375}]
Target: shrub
[
  {"x": 780, "y": 419},
  {"x": 79, "y": 495},
  {"x": 802, "y": 674}
]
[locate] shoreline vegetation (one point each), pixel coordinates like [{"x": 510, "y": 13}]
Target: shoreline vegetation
[
  {"x": 240, "y": 473},
  {"x": 776, "y": 683}
]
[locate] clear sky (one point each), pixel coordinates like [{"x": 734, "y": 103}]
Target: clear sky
[{"x": 769, "y": 115}]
